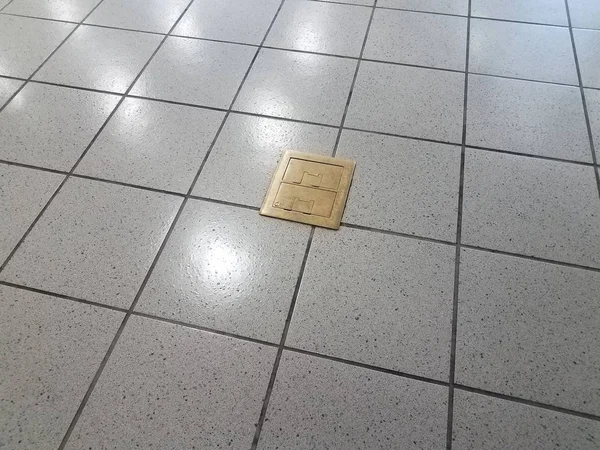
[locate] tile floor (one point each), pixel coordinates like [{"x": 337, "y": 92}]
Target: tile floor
[{"x": 144, "y": 303}]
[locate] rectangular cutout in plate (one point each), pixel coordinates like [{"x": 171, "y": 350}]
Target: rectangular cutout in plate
[{"x": 309, "y": 188}]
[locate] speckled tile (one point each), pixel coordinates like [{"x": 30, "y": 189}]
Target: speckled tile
[
  {"x": 152, "y": 144},
  {"x": 585, "y": 13},
  {"x": 529, "y": 329},
  {"x": 194, "y": 71},
  {"x": 229, "y": 269},
  {"x": 71, "y": 10},
  {"x": 228, "y": 20},
  {"x": 242, "y": 162},
  {"x": 23, "y": 194},
  {"x": 297, "y": 86},
  {"x": 527, "y": 117},
  {"x": 322, "y": 404},
  {"x": 96, "y": 241},
  {"x": 51, "y": 126},
  {"x": 532, "y": 207},
  {"x": 146, "y": 15},
  {"x": 321, "y": 27},
  {"x": 534, "y": 52},
  {"x": 409, "y": 101},
  {"x": 377, "y": 299},
  {"x": 402, "y": 185},
  {"x": 587, "y": 43},
  {"x": 100, "y": 58},
  {"x": 460, "y": 7},
  {"x": 173, "y": 387},
  {"x": 431, "y": 40},
  {"x": 8, "y": 87},
  {"x": 551, "y": 12},
  {"x": 51, "y": 349},
  {"x": 592, "y": 101},
  {"x": 25, "y": 43},
  {"x": 496, "y": 424}
]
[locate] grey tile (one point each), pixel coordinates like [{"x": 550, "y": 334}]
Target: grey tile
[
  {"x": 51, "y": 349},
  {"x": 522, "y": 116},
  {"x": 228, "y": 20},
  {"x": 587, "y": 43},
  {"x": 322, "y": 27},
  {"x": 520, "y": 50},
  {"x": 71, "y": 10},
  {"x": 585, "y": 13},
  {"x": 23, "y": 194},
  {"x": 146, "y": 15},
  {"x": 402, "y": 185},
  {"x": 51, "y": 126},
  {"x": 100, "y": 58},
  {"x": 25, "y": 43},
  {"x": 193, "y": 71},
  {"x": 460, "y": 7},
  {"x": 529, "y": 329},
  {"x": 592, "y": 101},
  {"x": 377, "y": 299},
  {"x": 95, "y": 241},
  {"x": 242, "y": 162},
  {"x": 496, "y": 424},
  {"x": 318, "y": 403},
  {"x": 152, "y": 144},
  {"x": 172, "y": 387},
  {"x": 7, "y": 88},
  {"x": 532, "y": 207},
  {"x": 552, "y": 12},
  {"x": 409, "y": 101},
  {"x": 431, "y": 40},
  {"x": 297, "y": 86},
  {"x": 229, "y": 269}
]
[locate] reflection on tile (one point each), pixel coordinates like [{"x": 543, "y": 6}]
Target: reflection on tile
[
  {"x": 23, "y": 194},
  {"x": 552, "y": 12},
  {"x": 72, "y": 10},
  {"x": 229, "y": 269},
  {"x": 228, "y": 20},
  {"x": 193, "y": 71},
  {"x": 585, "y": 13},
  {"x": 168, "y": 386},
  {"x": 25, "y": 43},
  {"x": 402, "y": 185},
  {"x": 460, "y": 7},
  {"x": 588, "y": 55},
  {"x": 242, "y": 162},
  {"x": 409, "y": 101},
  {"x": 322, "y": 404},
  {"x": 320, "y": 27},
  {"x": 96, "y": 241},
  {"x": 146, "y": 15},
  {"x": 522, "y": 116},
  {"x": 297, "y": 86},
  {"x": 592, "y": 101},
  {"x": 415, "y": 38},
  {"x": 51, "y": 349},
  {"x": 65, "y": 120},
  {"x": 7, "y": 88},
  {"x": 529, "y": 329},
  {"x": 100, "y": 58},
  {"x": 378, "y": 299},
  {"x": 152, "y": 144},
  {"x": 520, "y": 50},
  {"x": 532, "y": 207},
  {"x": 496, "y": 424}
]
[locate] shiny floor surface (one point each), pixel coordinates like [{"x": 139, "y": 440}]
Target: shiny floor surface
[{"x": 144, "y": 303}]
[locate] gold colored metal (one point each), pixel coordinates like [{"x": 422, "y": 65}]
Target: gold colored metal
[{"x": 309, "y": 188}]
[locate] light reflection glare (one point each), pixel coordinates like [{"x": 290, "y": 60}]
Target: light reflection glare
[{"x": 222, "y": 262}]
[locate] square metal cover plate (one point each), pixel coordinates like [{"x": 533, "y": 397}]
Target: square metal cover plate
[{"x": 309, "y": 188}]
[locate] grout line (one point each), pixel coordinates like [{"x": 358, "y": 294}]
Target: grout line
[
  {"x": 396, "y": 233},
  {"x": 585, "y": 110},
  {"x": 223, "y": 202},
  {"x": 5, "y": 6},
  {"x": 458, "y": 245},
  {"x": 265, "y": 406}
]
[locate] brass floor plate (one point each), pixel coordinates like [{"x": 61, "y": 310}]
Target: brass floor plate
[{"x": 309, "y": 188}]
